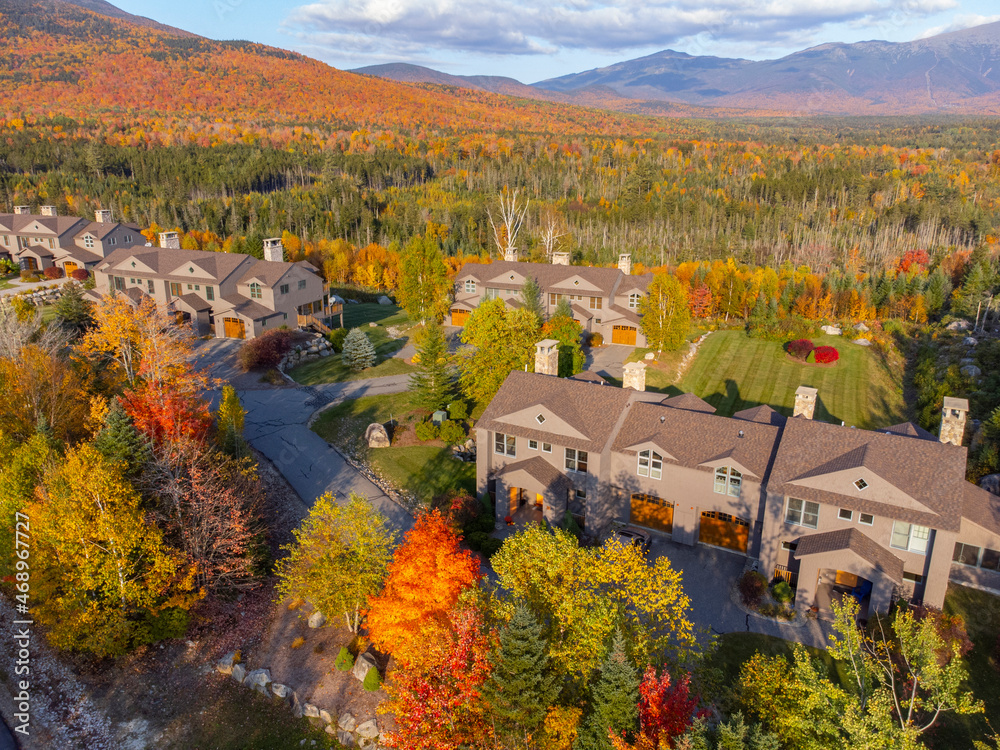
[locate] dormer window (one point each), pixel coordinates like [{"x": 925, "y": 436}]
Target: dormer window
[
  {"x": 650, "y": 464},
  {"x": 633, "y": 301},
  {"x": 860, "y": 484},
  {"x": 470, "y": 286},
  {"x": 540, "y": 418},
  {"x": 728, "y": 481},
  {"x": 255, "y": 291}
]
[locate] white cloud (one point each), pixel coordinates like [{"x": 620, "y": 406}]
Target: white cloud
[
  {"x": 407, "y": 28},
  {"x": 959, "y": 22}
]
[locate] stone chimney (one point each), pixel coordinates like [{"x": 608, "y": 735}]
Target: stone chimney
[
  {"x": 170, "y": 239},
  {"x": 560, "y": 259},
  {"x": 22, "y": 210},
  {"x": 625, "y": 263},
  {"x": 805, "y": 402},
  {"x": 547, "y": 357},
  {"x": 274, "y": 251},
  {"x": 510, "y": 254},
  {"x": 103, "y": 216},
  {"x": 953, "y": 420},
  {"x": 48, "y": 211},
  {"x": 634, "y": 376}
]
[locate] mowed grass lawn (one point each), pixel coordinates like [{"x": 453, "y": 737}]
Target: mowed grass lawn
[
  {"x": 424, "y": 470},
  {"x": 734, "y": 372}
]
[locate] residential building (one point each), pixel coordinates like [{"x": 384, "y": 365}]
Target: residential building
[
  {"x": 230, "y": 295},
  {"x": 40, "y": 241},
  {"x": 603, "y": 300},
  {"x": 883, "y": 513}
]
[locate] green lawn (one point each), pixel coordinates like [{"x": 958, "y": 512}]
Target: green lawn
[
  {"x": 734, "y": 372},
  {"x": 384, "y": 315},
  {"x": 5, "y": 280},
  {"x": 735, "y": 649},
  {"x": 333, "y": 369}
]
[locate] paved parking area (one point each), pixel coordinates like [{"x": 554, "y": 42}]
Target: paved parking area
[{"x": 608, "y": 359}]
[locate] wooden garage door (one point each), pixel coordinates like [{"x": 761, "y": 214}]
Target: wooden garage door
[
  {"x": 69, "y": 266},
  {"x": 652, "y": 511},
  {"x": 234, "y": 328},
  {"x": 623, "y": 335},
  {"x": 724, "y": 530},
  {"x": 458, "y": 317}
]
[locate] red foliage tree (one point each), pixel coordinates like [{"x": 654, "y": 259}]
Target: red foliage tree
[
  {"x": 167, "y": 412},
  {"x": 800, "y": 348},
  {"x": 265, "y": 351},
  {"x": 440, "y": 708},
  {"x": 912, "y": 258},
  {"x": 666, "y": 708},
  {"x": 80, "y": 274},
  {"x": 700, "y": 302},
  {"x": 53, "y": 272},
  {"x": 824, "y": 355}
]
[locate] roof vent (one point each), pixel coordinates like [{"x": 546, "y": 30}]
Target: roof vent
[
  {"x": 741, "y": 433},
  {"x": 662, "y": 419}
]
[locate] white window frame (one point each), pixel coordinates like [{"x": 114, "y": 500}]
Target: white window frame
[
  {"x": 918, "y": 538},
  {"x": 650, "y": 464},
  {"x": 504, "y": 445},
  {"x": 546, "y": 447},
  {"x": 470, "y": 286},
  {"x": 848, "y": 517},
  {"x": 798, "y": 516},
  {"x": 633, "y": 301},
  {"x": 533, "y": 445},
  {"x": 869, "y": 516},
  {"x": 728, "y": 481},
  {"x": 573, "y": 461}
]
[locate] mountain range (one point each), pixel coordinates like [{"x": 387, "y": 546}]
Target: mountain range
[{"x": 953, "y": 72}]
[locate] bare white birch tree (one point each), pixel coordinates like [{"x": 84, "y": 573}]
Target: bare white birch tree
[{"x": 508, "y": 223}]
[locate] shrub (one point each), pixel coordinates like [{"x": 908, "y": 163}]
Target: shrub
[
  {"x": 752, "y": 587},
  {"x": 298, "y": 642},
  {"x": 452, "y": 432},
  {"x": 596, "y": 339},
  {"x": 27, "y": 275},
  {"x": 53, "y": 272},
  {"x": 80, "y": 274},
  {"x": 372, "y": 682},
  {"x": 458, "y": 410},
  {"x": 171, "y": 622},
  {"x": 265, "y": 351},
  {"x": 799, "y": 348},
  {"x": 491, "y": 546},
  {"x": 893, "y": 326},
  {"x": 426, "y": 431},
  {"x": 345, "y": 660},
  {"x": 359, "y": 353},
  {"x": 336, "y": 338},
  {"x": 782, "y": 592},
  {"x": 824, "y": 355},
  {"x": 476, "y": 540}
]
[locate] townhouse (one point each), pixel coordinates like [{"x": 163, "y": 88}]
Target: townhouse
[
  {"x": 884, "y": 513},
  {"x": 228, "y": 295},
  {"x": 40, "y": 241},
  {"x": 603, "y": 300}
]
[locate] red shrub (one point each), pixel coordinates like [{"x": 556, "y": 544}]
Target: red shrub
[
  {"x": 80, "y": 274},
  {"x": 265, "y": 351},
  {"x": 824, "y": 355},
  {"x": 799, "y": 348},
  {"x": 53, "y": 272}
]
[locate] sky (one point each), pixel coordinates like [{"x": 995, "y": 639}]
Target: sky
[{"x": 532, "y": 40}]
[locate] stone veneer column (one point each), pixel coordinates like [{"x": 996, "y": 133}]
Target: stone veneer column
[
  {"x": 953, "y": 420},
  {"x": 634, "y": 376},
  {"x": 547, "y": 357},
  {"x": 805, "y": 402}
]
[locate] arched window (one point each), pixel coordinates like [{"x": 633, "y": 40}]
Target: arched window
[
  {"x": 728, "y": 481},
  {"x": 650, "y": 464},
  {"x": 633, "y": 300}
]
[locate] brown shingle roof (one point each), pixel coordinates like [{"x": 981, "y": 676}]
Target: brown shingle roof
[
  {"x": 763, "y": 414},
  {"x": 854, "y": 540},
  {"x": 269, "y": 272},
  {"x": 588, "y": 407},
  {"x": 548, "y": 275},
  {"x": 249, "y": 308},
  {"x": 694, "y": 437},
  {"x": 981, "y": 507},
  {"x": 911, "y": 430},
  {"x": 163, "y": 260},
  {"x": 690, "y": 402},
  {"x": 930, "y": 472},
  {"x": 625, "y": 314},
  {"x": 542, "y": 471},
  {"x": 590, "y": 376}
]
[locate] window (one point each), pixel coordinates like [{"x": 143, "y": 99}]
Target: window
[
  {"x": 860, "y": 484},
  {"x": 149, "y": 285},
  {"x": 650, "y": 464},
  {"x": 209, "y": 293},
  {"x": 470, "y": 286},
  {"x": 190, "y": 287},
  {"x": 128, "y": 237},
  {"x": 52, "y": 242},
  {"x": 255, "y": 291},
  {"x": 175, "y": 289},
  {"x": 789, "y": 546},
  {"x": 112, "y": 241},
  {"x": 866, "y": 518},
  {"x": 581, "y": 494},
  {"x": 533, "y": 445},
  {"x": 576, "y": 460},
  {"x": 845, "y": 514},
  {"x": 633, "y": 301},
  {"x": 990, "y": 559},
  {"x": 302, "y": 283},
  {"x": 596, "y": 303},
  {"x": 492, "y": 293},
  {"x": 6, "y": 240},
  {"x": 283, "y": 289},
  {"x": 802, "y": 513},
  {"x": 912, "y": 577},
  {"x": 546, "y": 447},
  {"x": 540, "y": 418},
  {"x": 505, "y": 445},
  {"x": 728, "y": 481},
  {"x": 966, "y": 554},
  {"x": 910, "y": 537}
]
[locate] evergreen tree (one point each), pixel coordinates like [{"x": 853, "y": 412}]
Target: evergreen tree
[
  {"x": 563, "y": 309},
  {"x": 72, "y": 310},
  {"x": 120, "y": 441},
  {"x": 531, "y": 298},
  {"x": 432, "y": 383},
  {"x": 229, "y": 423},
  {"x": 359, "y": 353},
  {"x": 521, "y": 688},
  {"x": 614, "y": 701}
]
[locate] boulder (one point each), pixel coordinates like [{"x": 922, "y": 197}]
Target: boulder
[
  {"x": 325, "y": 716},
  {"x": 383, "y": 300},
  {"x": 310, "y": 711},
  {"x": 226, "y": 663},
  {"x": 347, "y": 722},
  {"x": 346, "y": 739},
  {"x": 368, "y": 730},
  {"x": 831, "y": 330},
  {"x": 376, "y": 436},
  {"x": 966, "y": 361},
  {"x": 325, "y": 353},
  {"x": 650, "y": 355},
  {"x": 971, "y": 371},
  {"x": 280, "y": 691},
  {"x": 373, "y": 324},
  {"x": 991, "y": 483},
  {"x": 364, "y": 663},
  {"x": 238, "y": 673},
  {"x": 958, "y": 325},
  {"x": 470, "y": 445},
  {"x": 317, "y": 619},
  {"x": 862, "y": 342},
  {"x": 258, "y": 680},
  {"x": 297, "y": 711},
  {"x": 969, "y": 341},
  {"x": 330, "y": 729},
  {"x": 861, "y": 327}
]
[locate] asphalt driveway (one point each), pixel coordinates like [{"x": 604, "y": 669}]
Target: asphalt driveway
[{"x": 608, "y": 360}]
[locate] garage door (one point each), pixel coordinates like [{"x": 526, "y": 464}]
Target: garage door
[
  {"x": 652, "y": 511},
  {"x": 623, "y": 335},
  {"x": 69, "y": 266},
  {"x": 458, "y": 317},
  {"x": 724, "y": 530},
  {"x": 234, "y": 328}
]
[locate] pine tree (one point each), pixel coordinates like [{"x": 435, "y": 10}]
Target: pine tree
[
  {"x": 120, "y": 441},
  {"x": 563, "y": 309},
  {"x": 520, "y": 689},
  {"x": 229, "y": 423},
  {"x": 614, "y": 700},
  {"x": 531, "y": 298},
  {"x": 432, "y": 383},
  {"x": 359, "y": 353},
  {"x": 72, "y": 310}
]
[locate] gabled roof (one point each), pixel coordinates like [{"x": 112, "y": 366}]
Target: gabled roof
[
  {"x": 590, "y": 376},
  {"x": 763, "y": 414},
  {"x": 248, "y": 307},
  {"x": 163, "y": 261},
  {"x": 851, "y": 540},
  {"x": 624, "y": 313},
  {"x": 268, "y": 273},
  {"x": 981, "y": 507},
  {"x": 690, "y": 402},
  {"x": 930, "y": 473},
  {"x": 100, "y": 230},
  {"x": 192, "y": 302},
  {"x": 574, "y": 401},
  {"x": 911, "y": 430},
  {"x": 547, "y": 476},
  {"x": 549, "y": 276},
  {"x": 58, "y": 225}
]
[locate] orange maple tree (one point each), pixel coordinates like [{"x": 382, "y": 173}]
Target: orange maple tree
[{"x": 411, "y": 617}]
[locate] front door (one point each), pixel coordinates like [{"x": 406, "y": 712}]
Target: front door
[
  {"x": 30, "y": 264},
  {"x": 516, "y": 499},
  {"x": 234, "y": 328},
  {"x": 623, "y": 335},
  {"x": 724, "y": 530}
]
